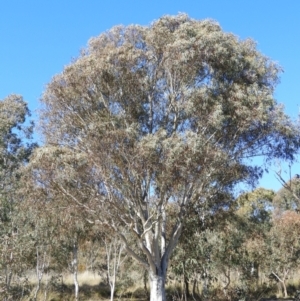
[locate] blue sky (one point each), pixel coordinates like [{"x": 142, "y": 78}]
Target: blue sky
[{"x": 38, "y": 38}]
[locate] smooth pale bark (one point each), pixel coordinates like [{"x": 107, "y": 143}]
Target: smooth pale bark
[
  {"x": 75, "y": 269},
  {"x": 157, "y": 287},
  {"x": 8, "y": 275},
  {"x": 114, "y": 250},
  {"x": 153, "y": 243},
  {"x": 46, "y": 287},
  {"x": 158, "y": 257},
  {"x": 40, "y": 268},
  {"x": 282, "y": 281}
]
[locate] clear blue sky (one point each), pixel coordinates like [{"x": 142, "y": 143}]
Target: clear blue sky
[{"x": 39, "y": 37}]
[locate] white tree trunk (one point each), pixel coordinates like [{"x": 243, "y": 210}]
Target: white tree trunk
[
  {"x": 75, "y": 269},
  {"x": 282, "y": 281},
  {"x": 41, "y": 264},
  {"x": 114, "y": 250},
  {"x": 285, "y": 294},
  {"x": 112, "y": 290},
  {"x": 157, "y": 287}
]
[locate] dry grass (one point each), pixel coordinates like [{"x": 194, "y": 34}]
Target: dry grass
[
  {"x": 93, "y": 287},
  {"x": 84, "y": 278}
]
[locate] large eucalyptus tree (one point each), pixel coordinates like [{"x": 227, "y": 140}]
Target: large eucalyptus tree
[{"x": 148, "y": 116}]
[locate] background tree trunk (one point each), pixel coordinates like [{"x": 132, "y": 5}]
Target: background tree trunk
[{"x": 75, "y": 270}]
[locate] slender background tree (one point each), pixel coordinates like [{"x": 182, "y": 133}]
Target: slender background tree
[{"x": 14, "y": 153}]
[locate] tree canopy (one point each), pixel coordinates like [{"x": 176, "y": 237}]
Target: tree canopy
[{"x": 15, "y": 149}]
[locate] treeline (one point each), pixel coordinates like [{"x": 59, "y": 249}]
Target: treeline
[{"x": 252, "y": 253}]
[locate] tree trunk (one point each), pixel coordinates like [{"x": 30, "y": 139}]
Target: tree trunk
[
  {"x": 112, "y": 290},
  {"x": 145, "y": 279},
  {"x": 114, "y": 250},
  {"x": 185, "y": 284},
  {"x": 75, "y": 269},
  {"x": 186, "y": 288},
  {"x": 157, "y": 287},
  {"x": 205, "y": 285},
  {"x": 40, "y": 268},
  {"x": 285, "y": 274},
  {"x": 282, "y": 281},
  {"x": 8, "y": 274},
  {"x": 284, "y": 289},
  {"x": 227, "y": 281},
  {"x": 194, "y": 288}
]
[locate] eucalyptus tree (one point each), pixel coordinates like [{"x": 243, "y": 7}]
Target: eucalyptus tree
[
  {"x": 254, "y": 217},
  {"x": 159, "y": 114},
  {"x": 59, "y": 228},
  {"x": 288, "y": 197},
  {"x": 196, "y": 259},
  {"x": 14, "y": 153},
  {"x": 283, "y": 248}
]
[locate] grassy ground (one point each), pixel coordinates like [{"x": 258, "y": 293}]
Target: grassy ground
[
  {"x": 92, "y": 287},
  {"x": 95, "y": 288}
]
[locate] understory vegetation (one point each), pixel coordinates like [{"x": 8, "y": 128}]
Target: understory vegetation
[{"x": 247, "y": 252}]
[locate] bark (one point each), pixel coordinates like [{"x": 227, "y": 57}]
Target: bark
[
  {"x": 46, "y": 289},
  {"x": 8, "y": 278},
  {"x": 194, "y": 288},
  {"x": 158, "y": 258},
  {"x": 157, "y": 287},
  {"x": 282, "y": 281},
  {"x": 40, "y": 269},
  {"x": 75, "y": 269},
  {"x": 186, "y": 289},
  {"x": 205, "y": 285},
  {"x": 227, "y": 281},
  {"x": 114, "y": 250},
  {"x": 112, "y": 290},
  {"x": 185, "y": 284},
  {"x": 145, "y": 280},
  {"x": 284, "y": 290},
  {"x": 8, "y": 275}
]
